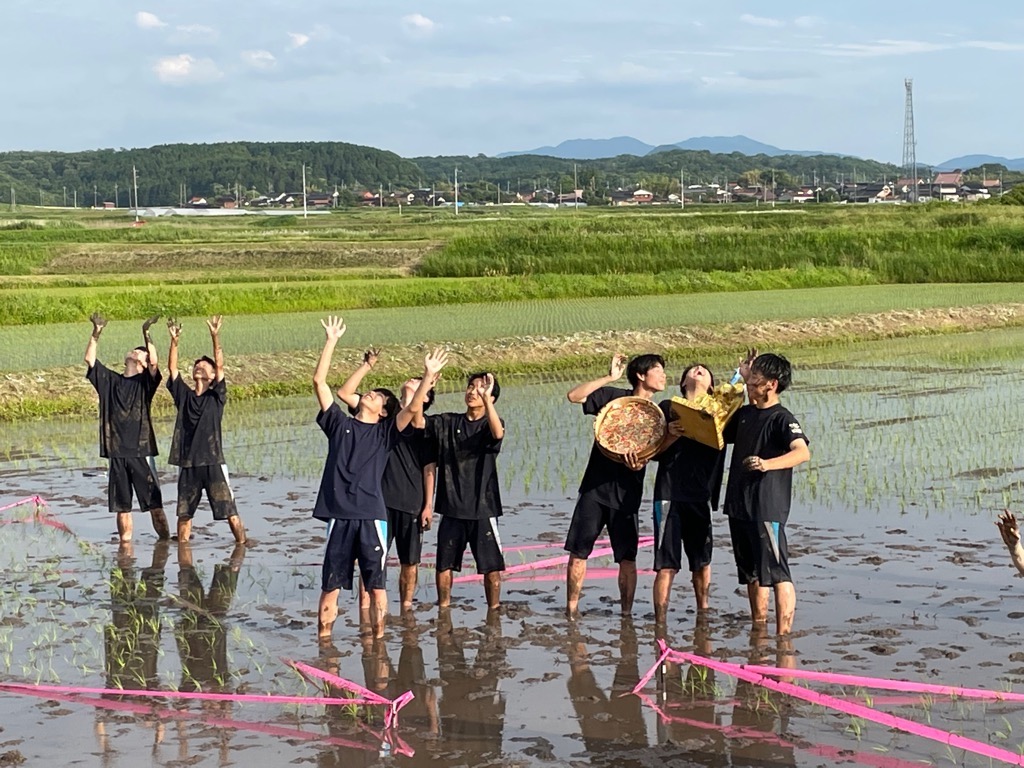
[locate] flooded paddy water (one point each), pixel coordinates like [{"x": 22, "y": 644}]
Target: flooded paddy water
[{"x": 898, "y": 567}]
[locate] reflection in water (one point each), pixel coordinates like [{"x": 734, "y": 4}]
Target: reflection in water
[
  {"x": 472, "y": 705},
  {"x": 759, "y": 709},
  {"x": 609, "y": 723}
]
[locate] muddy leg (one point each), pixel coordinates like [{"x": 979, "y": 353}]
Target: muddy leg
[
  {"x": 235, "y": 522},
  {"x": 785, "y": 607},
  {"x": 575, "y": 573},
  {"x": 627, "y": 585},
  {"x": 444, "y": 588},
  {"x": 160, "y": 523},
  {"x": 662, "y": 589},
  {"x": 758, "y": 596},
  {"x": 407, "y": 584},
  {"x": 124, "y": 526},
  {"x": 492, "y": 589},
  {"x": 701, "y": 587},
  {"x": 328, "y": 613},
  {"x": 184, "y": 529}
]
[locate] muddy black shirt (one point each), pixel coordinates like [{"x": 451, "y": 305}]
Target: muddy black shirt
[
  {"x": 765, "y": 432},
  {"x": 467, "y": 466},
  {"x": 197, "y": 431},
  {"x": 402, "y": 483},
  {"x": 606, "y": 481},
  {"x": 126, "y": 430},
  {"x": 688, "y": 470},
  {"x": 357, "y": 453}
]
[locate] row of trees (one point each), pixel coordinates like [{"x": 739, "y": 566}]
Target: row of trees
[{"x": 167, "y": 173}]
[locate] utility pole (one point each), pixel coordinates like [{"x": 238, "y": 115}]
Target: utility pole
[
  {"x": 76, "y": 198},
  {"x": 456, "y": 191},
  {"x": 95, "y": 197},
  {"x": 135, "y": 184},
  {"x": 65, "y": 196},
  {"x": 682, "y": 191},
  {"x": 909, "y": 142},
  {"x": 305, "y": 210},
  {"x": 14, "y": 199}
]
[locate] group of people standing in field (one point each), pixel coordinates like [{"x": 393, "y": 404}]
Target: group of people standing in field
[{"x": 390, "y": 468}]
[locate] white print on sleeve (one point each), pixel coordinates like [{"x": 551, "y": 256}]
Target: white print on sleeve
[{"x": 795, "y": 428}]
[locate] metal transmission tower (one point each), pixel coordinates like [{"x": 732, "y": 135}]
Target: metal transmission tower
[{"x": 909, "y": 143}]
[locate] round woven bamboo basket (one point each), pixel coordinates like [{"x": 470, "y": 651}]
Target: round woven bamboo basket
[{"x": 629, "y": 424}]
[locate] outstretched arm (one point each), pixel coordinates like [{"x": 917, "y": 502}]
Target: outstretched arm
[
  {"x": 174, "y": 330},
  {"x": 154, "y": 363},
  {"x": 348, "y": 393},
  {"x": 581, "y": 392},
  {"x": 432, "y": 365},
  {"x": 1010, "y": 534},
  {"x": 98, "y": 324},
  {"x": 334, "y": 328},
  {"x": 493, "y": 420},
  {"x": 218, "y": 354}
]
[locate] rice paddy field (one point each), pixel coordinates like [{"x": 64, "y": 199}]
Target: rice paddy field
[{"x": 908, "y": 393}]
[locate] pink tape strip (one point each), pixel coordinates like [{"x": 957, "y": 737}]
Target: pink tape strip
[
  {"x": 394, "y": 706},
  {"x": 37, "y": 500},
  {"x": 549, "y": 562},
  {"x": 846, "y": 707}
]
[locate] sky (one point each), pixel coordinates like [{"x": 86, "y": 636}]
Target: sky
[{"x": 468, "y": 77}]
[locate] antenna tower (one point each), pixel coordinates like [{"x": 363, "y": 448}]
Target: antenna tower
[{"x": 909, "y": 142}]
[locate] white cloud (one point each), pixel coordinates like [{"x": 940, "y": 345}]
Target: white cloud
[
  {"x": 147, "y": 20},
  {"x": 493, "y": 19},
  {"x": 418, "y": 24},
  {"x": 195, "y": 32},
  {"x": 993, "y": 45},
  {"x": 883, "y": 48},
  {"x": 259, "y": 59},
  {"x": 185, "y": 68},
  {"x": 298, "y": 40},
  {"x": 761, "y": 21},
  {"x": 806, "y": 22}
]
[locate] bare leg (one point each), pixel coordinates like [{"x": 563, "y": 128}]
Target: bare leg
[
  {"x": 627, "y": 585},
  {"x": 184, "y": 528},
  {"x": 364, "y": 603},
  {"x": 237, "y": 528},
  {"x": 124, "y": 526},
  {"x": 701, "y": 587},
  {"x": 444, "y": 588},
  {"x": 160, "y": 523},
  {"x": 575, "y": 573},
  {"x": 785, "y": 607},
  {"x": 378, "y": 611},
  {"x": 662, "y": 589},
  {"x": 407, "y": 579},
  {"x": 758, "y": 596},
  {"x": 328, "y": 613},
  {"x": 492, "y": 589}
]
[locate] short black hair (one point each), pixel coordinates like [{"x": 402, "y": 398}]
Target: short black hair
[
  {"x": 640, "y": 365},
  {"x": 205, "y": 359},
  {"x": 495, "y": 393},
  {"x": 690, "y": 367},
  {"x": 774, "y": 367},
  {"x": 141, "y": 349},
  {"x": 392, "y": 405}
]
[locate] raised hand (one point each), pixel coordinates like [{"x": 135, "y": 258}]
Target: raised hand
[
  {"x": 1007, "y": 525},
  {"x": 371, "y": 356},
  {"x": 98, "y": 324},
  {"x": 434, "y": 362},
  {"x": 173, "y": 328},
  {"x": 617, "y": 367},
  {"x": 485, "y": 386},
  {"x": 747, "y": 361},
  {"x": 334, "y": 327},
  {"x": 214, "y": 324}
]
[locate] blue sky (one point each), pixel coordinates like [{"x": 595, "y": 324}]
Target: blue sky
[{"x": 461, "y": 77}]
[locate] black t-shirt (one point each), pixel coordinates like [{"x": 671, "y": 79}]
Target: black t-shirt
[
  {"x": 688, "y": 470},
  {"x": 126, "y": 430},
  {"x": 197, "y": 437},
  {"x": 765, "y": 432},
  {"x": 357, "y": 453},
  {"x": 402, "y": 483},
  {"x": 606, "y": 481},
  {"x": 467, "y": 466}
]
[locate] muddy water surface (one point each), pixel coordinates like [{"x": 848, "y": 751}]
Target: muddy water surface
[{"x": 897, "y": 565}]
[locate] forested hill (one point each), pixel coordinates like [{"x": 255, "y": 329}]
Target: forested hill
[
  {"x": 270, "y": 168},
  {"x": 204, "y": 169}
]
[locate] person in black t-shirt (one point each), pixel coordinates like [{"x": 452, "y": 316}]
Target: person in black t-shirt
[
  {"x": 197, "y": 448},
  {"x": 350, "y": 499},
  {"x": 408, "y": 486},
  {"x": 468, "y": 496},
  {"x": 768, "y": 442},
  {"x": 610, "y": 491},
  {"x": 686, "y": 490},
  {"x": 126, "y": 429}
]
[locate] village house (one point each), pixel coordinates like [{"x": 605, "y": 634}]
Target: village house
[{"x": 946, "y": 186}]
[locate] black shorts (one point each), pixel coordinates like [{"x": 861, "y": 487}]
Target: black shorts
[
  {"x": 137, "y": 473},
  {"x": 350, "y": 542},
  {"x": 590, "y": 518},
  {"x": 682, "y": 526},
  {"x": 405, "y": 529},
  {"x": 212, "y": 478},
  {"x": 484, "y": 542},
  {"x": 761, "y": 552}
]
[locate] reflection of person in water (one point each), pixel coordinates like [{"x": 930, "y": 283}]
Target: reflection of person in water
[
  {"x": 692, "y": 696},
  {"x": 759, "y": 709},
  {"x": 472, "y": 705},
  {"x": 607, "y": 721},
  {"x": 1010, "y": 534},
  {"x": 131, "y": 641},
  {"x": 201, "y": 632}
]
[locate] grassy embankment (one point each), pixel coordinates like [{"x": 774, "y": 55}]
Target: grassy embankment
[{"x": 426, "y": 277}]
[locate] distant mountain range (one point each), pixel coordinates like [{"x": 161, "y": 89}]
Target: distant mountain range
[{"x": 595, "y": 149}]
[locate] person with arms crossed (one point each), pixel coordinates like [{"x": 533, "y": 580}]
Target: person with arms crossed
[{"x": 127, "y": 439}]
